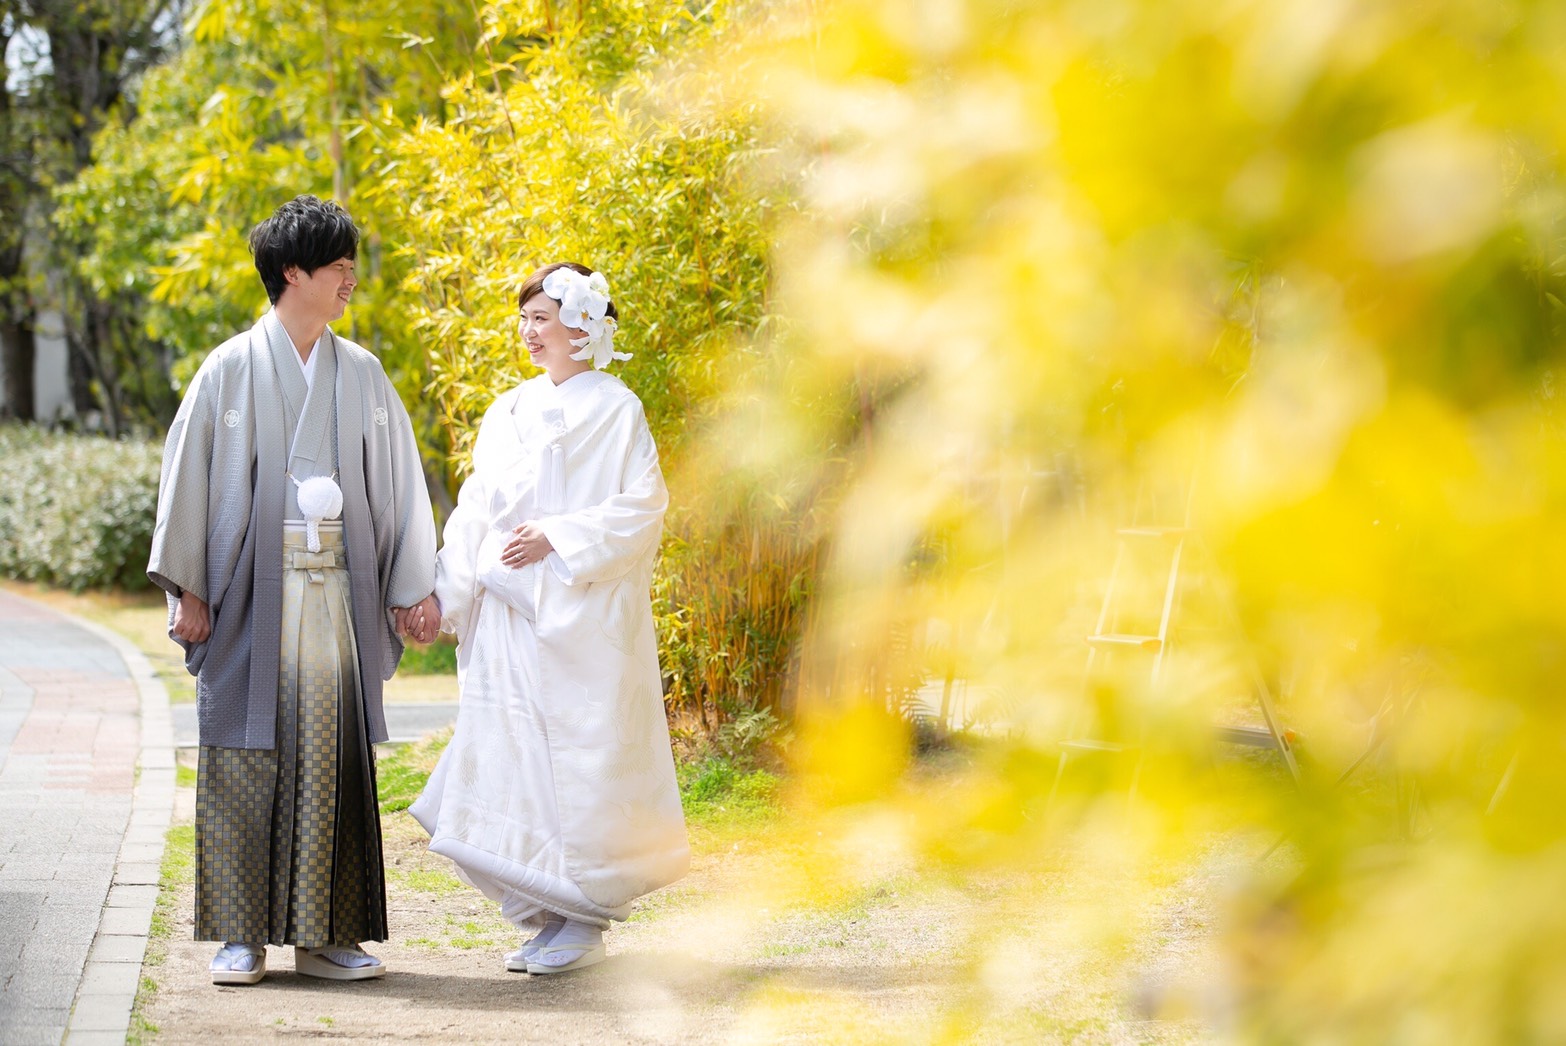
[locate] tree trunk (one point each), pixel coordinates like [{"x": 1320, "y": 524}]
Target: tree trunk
[
  {"x": 18, "y": 318},
  {"x": 19, "y": 346},
  {"x": 100, "y": 352},
  {"x": 79, "y": 372}
]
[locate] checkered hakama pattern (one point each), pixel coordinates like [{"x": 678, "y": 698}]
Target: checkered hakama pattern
[{"x": 288, "y": 842}]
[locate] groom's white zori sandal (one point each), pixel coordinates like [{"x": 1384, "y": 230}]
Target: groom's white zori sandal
[
  {"x": 338, "y": 963},
  {"x": 239, "y": 964}
]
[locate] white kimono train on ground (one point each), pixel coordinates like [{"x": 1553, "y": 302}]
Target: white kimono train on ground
[{"x": 557, "y": 791}]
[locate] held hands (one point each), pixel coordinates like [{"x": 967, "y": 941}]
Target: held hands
[
  {"x": 420, "y": 622},
  {"x": 192, "y": 619},
  {"x": 528, "y": 546}
]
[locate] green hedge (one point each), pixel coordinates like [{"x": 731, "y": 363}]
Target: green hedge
[{"x": 76, "y": 511}]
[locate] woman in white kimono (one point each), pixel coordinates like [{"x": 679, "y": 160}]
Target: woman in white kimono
[{"x": 556, "y": 796}]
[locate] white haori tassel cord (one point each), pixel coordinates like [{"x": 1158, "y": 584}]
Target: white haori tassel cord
[
  {"x": 320, "y": 498},
  {"x": 551, "y": 464}
]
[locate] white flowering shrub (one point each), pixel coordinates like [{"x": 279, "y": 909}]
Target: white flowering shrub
[{"x": 76, "y": 511}]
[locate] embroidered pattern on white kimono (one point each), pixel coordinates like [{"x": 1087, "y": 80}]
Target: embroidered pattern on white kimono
[{"x": 557, "y": 791}]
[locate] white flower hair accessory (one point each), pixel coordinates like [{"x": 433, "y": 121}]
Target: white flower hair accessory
[{"x": 584, "y": 304}]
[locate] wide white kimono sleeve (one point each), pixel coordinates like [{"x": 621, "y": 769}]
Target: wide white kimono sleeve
[
  {"x": 607, "y": 540},
  {"x": 456, "y": 567}
]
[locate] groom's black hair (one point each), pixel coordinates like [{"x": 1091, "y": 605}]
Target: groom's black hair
[{"x": 306, "y": 232}]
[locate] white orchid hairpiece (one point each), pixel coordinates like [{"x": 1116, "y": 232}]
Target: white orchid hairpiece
[{"x": 584, "y": 304}]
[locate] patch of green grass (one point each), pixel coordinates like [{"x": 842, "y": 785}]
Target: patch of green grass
[
  {"x": 470, "y": 933},
  {"x": 779, "y": 951},
  {"x": 142, "y": 1030},
  {"x": 426, "y": 942},
  {"x": 438, "y": 658},
  {"x": 426, "y": 880},
  {"x": 178, "y": 868},
  {"x": 485, "y": 930},
  {"x": 400, "y": 776},
  {"x": 724, "y": 798},
  {"x": 184, "y": 776}
]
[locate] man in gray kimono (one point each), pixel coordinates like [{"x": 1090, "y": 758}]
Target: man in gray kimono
[{"x": 295, "y": 541}]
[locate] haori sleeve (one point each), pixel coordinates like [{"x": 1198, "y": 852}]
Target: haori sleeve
[
  {"x": 410, "y": 572},
  {"x": 609, "y": 539},
  {"x": 178, "y": 563}
]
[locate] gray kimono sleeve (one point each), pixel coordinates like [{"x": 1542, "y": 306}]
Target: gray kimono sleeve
[
  {"x": 411, "y": 576},
  {"x": 179, "y": 541}
]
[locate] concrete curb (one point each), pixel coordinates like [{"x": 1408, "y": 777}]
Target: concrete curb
[{"x": 107, "y": 990}]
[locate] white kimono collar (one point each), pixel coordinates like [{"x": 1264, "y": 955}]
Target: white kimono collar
[{"x": 575, "y": 389}]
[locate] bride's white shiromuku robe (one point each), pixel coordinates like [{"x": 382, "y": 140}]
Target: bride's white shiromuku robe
[{"x": 557, "y": 791}]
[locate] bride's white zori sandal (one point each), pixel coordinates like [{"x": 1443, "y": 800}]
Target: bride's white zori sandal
[{"x": 575, "y": 946}]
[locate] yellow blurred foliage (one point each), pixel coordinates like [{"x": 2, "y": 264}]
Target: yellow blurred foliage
[{"x": 1062, "y": 265}]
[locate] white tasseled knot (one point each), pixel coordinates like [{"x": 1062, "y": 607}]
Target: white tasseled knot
[
  {"x": 551, "y": 464},
  {"x": 319, "y": 498}
]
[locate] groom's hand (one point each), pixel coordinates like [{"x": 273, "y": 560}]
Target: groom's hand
[{"x": 192, "y": 619}]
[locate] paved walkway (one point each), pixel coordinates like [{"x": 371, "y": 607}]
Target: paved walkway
[
  {"x": 86, "y": 792},
  {"x": 405, "y": 720}
]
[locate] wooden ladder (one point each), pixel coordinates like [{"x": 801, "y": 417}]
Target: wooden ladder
[{"x": 1106, "y": 641}]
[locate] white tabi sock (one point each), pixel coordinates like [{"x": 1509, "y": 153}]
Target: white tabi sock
[
  {"x": 519, "y": 959},
  {"x": 236, "y": 957},
  {"x": 553, "y": 924},
  {"x": 570, "y": 943}
]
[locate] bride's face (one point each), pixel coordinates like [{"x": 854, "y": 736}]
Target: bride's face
[{"x": 548, "y": 340}]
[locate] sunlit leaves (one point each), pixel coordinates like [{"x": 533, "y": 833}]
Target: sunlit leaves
[
  {"x": 590, "y": 135},
  {"x": 268, "y": 100},
  {"x": 1059, "y": 259}
]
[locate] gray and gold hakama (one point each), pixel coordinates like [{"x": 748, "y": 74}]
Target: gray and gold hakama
[{"x": 288, "y": 847}]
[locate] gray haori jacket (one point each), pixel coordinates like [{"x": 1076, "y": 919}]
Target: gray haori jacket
[{"x": 247, "y": 419}]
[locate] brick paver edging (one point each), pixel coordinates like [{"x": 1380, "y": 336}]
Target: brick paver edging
[{"x": 107, "y": 990}]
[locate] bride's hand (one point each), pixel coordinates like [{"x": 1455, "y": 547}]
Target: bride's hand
[
  {"x": 528, "y": 546},
  {"x": 424, "y": 619}
]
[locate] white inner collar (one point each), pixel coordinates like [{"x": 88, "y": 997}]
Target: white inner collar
[{"x": 307, "y": 367}]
